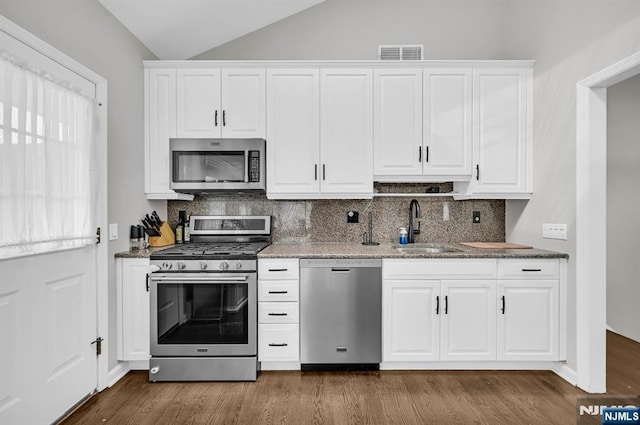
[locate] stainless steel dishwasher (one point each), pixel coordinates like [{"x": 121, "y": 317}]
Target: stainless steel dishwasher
[{"x": 340, "y": 314}]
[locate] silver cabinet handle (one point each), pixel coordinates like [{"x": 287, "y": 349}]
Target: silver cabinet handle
[{"x": 284, "y": 344}]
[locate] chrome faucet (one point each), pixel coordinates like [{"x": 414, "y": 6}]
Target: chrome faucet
[{"x": 418, "y": 214}]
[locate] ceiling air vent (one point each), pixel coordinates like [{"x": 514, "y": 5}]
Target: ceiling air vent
[{"x": 407, "y": 52}]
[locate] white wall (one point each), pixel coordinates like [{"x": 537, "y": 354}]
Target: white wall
[
  {"x": 570, "y": 40},
  {"x": 623, "y": 207},
  {"x": 88, "y": 33},
  {"x": 353, "y": 29}
]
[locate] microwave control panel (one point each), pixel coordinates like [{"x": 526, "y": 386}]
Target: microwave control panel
[{"x": 254, "y": 166}]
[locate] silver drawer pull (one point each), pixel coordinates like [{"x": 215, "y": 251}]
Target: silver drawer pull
[
  {"x": 284, "y": 344},
  {"x": 531, "y": 270},
  {"x": 277, "y": 314},
  {"x": 278, "y": 292},
  {"x": 278, "y": 270}
]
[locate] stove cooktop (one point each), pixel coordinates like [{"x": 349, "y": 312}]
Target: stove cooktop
[{"x": 211, "y": 250}]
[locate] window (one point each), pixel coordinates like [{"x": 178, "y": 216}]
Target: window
[{"x": 47, "y": 163}]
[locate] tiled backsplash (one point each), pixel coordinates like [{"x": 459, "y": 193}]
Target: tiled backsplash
[{"x": 326, "y": 220}]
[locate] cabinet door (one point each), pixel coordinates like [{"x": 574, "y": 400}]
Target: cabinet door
[
  {"x": 160, "y": 121},
  {"x": 528, "y": 320},
  {"x": 410, "y": 320},
  {"x": 133, "y": 309},
  {"x": 198, "y": 104},
  {"x": 293, "y": 132},
  {"x": 346, "y": 129},
  {"x": 500, "y": 131},
  {"x": 243, "y": 103},
  {"x": 448, "y": 135},
  {"x": 468, "y": 320},
  {"x": 397, "y": 135}
]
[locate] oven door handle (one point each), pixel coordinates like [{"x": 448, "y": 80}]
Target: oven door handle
[{"x": 188, "y": 279}]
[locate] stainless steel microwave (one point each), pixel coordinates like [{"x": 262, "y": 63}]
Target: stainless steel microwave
[{"x": 217, "y": 165}]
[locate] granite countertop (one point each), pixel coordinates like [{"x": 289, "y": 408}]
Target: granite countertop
[
  {"x": 140, "y": 253},
  {"x": 350, "y": 250}
]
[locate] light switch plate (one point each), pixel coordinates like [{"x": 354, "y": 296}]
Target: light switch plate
[
  {"x": 554, "y": 231},
  {"x": 113, "y": 231}
]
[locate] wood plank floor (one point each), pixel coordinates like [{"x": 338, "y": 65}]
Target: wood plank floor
[{"x": 389, "y": 397}]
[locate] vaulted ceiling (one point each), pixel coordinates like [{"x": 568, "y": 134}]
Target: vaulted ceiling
[{"x": 181, "y": 29}]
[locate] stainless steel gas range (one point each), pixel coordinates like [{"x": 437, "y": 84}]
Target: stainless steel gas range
[{"x": 204, "y": 301}]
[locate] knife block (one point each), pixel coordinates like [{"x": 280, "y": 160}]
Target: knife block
[{"x": 167, "y": 237}]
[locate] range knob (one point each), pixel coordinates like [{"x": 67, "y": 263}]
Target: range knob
[
  {"x": 203, "y": 265},
  {"x": 166, "y": 265},
  {"x": 224, "y": 265},
  {"x": 238, "y": 265},
  {"x": 181, "y": 265}
]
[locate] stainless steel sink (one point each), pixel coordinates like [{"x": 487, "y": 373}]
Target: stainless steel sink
[{"x": 425, "y": 249}]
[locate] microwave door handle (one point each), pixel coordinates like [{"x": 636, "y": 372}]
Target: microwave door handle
[{"x": 247, "y": 157}]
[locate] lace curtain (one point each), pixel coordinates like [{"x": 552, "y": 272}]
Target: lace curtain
[{"x": 48, "y": 169}]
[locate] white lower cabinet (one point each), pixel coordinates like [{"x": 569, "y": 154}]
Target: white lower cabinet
[
  {"x": 278, "y": 313},
  {"x": 133, "y": 309},
  {"x": 411, "y": 324},
  {"x": 435, "y": 310},
  {"x": 530, "y": 319},
  {"x": 468, "y": 320}
]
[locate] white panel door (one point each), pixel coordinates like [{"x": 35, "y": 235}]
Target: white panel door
[
  {"x": 293, "y": 132},
  {"x": 13, "y": 385},
  {"x": 500, "y": 130},
  {"x": 133, "y": 309},
  {"x": 468, "y": 320},
  {"x": 48, "y": 314},
  {"x": 346, "y": 131},
  {"x": 448, "y": 119},
  {"x": 528, "y": 320},
  {"x": 397, "y": 135},
  {"x": 161, "y": 126},
  {"x": 198, "y": 103},
  {"x": 243, "y": 103},
  {"x": 411, "y": 324}
]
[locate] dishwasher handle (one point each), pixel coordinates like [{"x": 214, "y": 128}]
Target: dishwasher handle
[{"x": 340, "y": 269}]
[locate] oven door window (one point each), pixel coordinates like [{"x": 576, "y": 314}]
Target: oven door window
[
  {"x": 209, "y": 167},
  {"x": 203, "y": 313}
]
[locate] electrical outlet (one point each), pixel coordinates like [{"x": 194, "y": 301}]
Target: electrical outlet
[
  {"x": 476, "y": 217},
  {"x": 352, "y": 216},
  {"x": 554, "y": 231}
]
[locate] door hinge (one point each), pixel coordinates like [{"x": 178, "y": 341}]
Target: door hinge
[
  {"x": 98, "y": 343},
  {"x": 97, "y": 235}
]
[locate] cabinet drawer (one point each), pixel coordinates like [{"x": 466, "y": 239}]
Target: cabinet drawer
[
  {"x": 278, "y": 290},
  {"x": 278, "y": 312},
  {"x": 278, "y": 342},
  {"x": 278, "y": 268},
  {"x": 428, "y": 268},
  {"x": 528, "y": 269}
]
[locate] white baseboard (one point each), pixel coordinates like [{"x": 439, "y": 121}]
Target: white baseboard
[
  {"x": 471, "y": 365},
  {"x": 115, "y": 374},
  {"x": 279, "y": 366},
  {"x": 566, "y": 373}
]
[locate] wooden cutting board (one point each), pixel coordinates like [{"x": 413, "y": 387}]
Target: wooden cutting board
[{"x": 495, "y": 245}]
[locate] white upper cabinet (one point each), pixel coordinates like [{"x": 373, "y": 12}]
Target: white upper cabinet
[
  {"x": 227, "y": 103},
  {"x": 423, "y": 124},
  {"x": 319, "y": 133},
  {"x": 502, "y": 124},
  {"x": 397, "y": 135},
  {"x": 293, "y": 132},
  {"x": 346, "y": 132},
  {"x": 160, "y": 126},
  {"x": 447, "y": 134}
]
